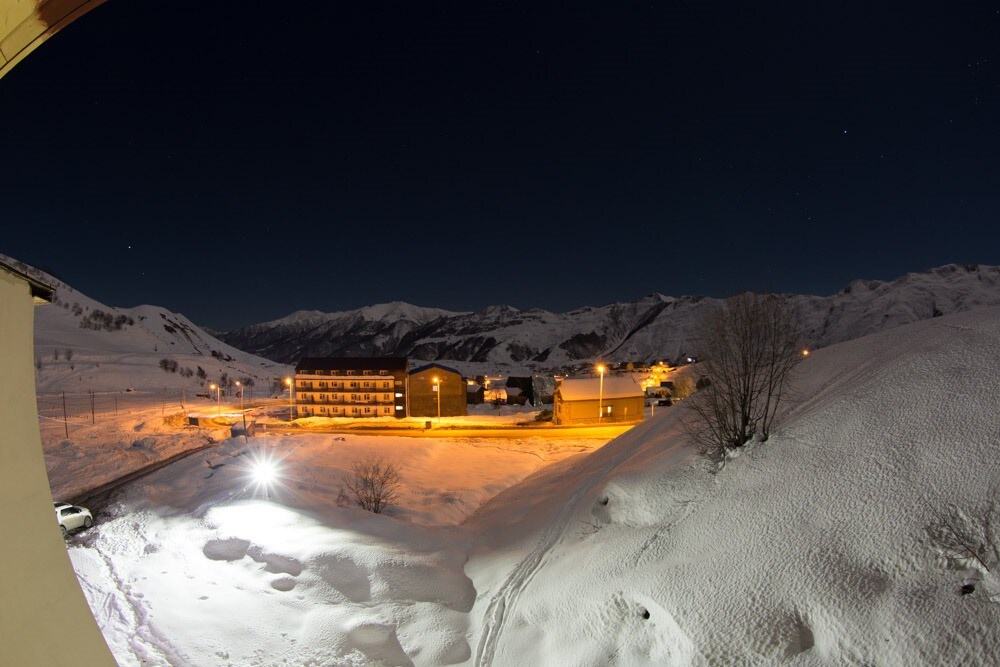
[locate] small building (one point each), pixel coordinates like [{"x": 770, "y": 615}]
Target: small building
[
  {"x": 350, "y": 387},
  {"x": 587, "y": 401},
  {"x": 474, "y": 393},
  {"x": 433, "y": 382},
  {"x": 245, "y": 427},
  {"x": 526, "y": 387}
]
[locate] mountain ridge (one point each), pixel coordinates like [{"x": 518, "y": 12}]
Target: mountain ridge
[{"x": 653, "y": 326}]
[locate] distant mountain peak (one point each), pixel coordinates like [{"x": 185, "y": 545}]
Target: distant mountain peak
[
  {"x": 395, "y": 311},
  {"x": 655, "y": 326}
]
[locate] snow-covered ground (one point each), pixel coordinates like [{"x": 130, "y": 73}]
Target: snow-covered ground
[
  {"x": 816, "y": 547},
  {"x": 196, "y": 567}
]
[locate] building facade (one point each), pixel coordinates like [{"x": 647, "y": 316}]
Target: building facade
[
  {"x": 42, "y": 599},
  {"x": 350, "y": 387},
  {"x": 432, "y": 383},
  {"x": 589, "y": 401}
]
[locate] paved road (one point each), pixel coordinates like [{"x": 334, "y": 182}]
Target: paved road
[
  {"x": 505, "y": 432},
  {"x": 97, "y": 499}
]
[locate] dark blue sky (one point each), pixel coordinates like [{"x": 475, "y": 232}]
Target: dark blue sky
[{"x": 464, "y": 154}]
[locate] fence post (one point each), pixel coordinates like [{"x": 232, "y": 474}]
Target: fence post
[
  {"x": 92, "y": 421},
  {"x": 65, "y": 420},
  {"x": 116, "y": 406}
]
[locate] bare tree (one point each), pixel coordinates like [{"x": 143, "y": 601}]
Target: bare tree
[
  {"x": 683, "y": 387},
  {"x": 749, "y": 346},
  {"x": 962, "y": 540},
  {"x": 374, "y": 483},
  {"x": 69, "y": 354}
]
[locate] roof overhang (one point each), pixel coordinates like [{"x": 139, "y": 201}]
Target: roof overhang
[{"x": 40, "y": 292}]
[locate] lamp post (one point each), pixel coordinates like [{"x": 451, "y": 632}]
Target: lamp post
[
  {"x": 437, "y": 389},
  {"x": 288, "y": 383},
  {"x": 600, "y": 395},
  {"x": 241, "y": 394},
  {"x": 218, "y": 390}
]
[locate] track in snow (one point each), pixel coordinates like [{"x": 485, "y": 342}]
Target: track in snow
[{"x": 505, "y": 599}]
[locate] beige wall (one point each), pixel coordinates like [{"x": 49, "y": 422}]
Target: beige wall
[
  {"x": 585, "y": 412},
  {"x": 44, "y": 618},
  {"x": 25, "y": 24}
]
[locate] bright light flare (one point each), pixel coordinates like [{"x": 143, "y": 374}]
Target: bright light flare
[
  {"x": 265, "y": 473},
  {"x": 805, "y": 353}
]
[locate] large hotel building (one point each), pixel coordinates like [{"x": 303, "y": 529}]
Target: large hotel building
[{"x": 350, "y": 387}]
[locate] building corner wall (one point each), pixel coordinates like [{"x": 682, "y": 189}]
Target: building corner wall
[{"x": 44, "y": 617}]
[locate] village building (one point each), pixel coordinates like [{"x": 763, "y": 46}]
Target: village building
[
  {"x": 434, "y": 385},
  {"x": 587, "y": 401},
  {"x": 526, "y": 387},
  {"x": 350, "y": 387},
  {"x": 473, "y": 393}
]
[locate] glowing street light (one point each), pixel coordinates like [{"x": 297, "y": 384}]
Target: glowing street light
[
  {"x": 241, "y": 394},
  {"x": 600, "y": 396},
  {"x": 288, "y": 383},
  {"x": 805, "y": 353},
  {"x": 265, "y": 472},
  {"x": 437, "y": 389},
  {"x": 218, "y": 391}
]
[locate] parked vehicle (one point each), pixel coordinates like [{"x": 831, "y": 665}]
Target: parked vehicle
[
  {"x": 71, "y": 517},
  {"x": 665, "y": 402}
]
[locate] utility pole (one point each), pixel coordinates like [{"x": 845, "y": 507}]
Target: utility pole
[
  {"x": 92, "y": 421},
  {"x": 65, "y": 419},
  {"x": 163, "y": 402},
  {"x": 116, "y": 406}
]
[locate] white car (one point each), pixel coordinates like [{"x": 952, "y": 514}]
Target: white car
[{"x": 71, "y": 517}]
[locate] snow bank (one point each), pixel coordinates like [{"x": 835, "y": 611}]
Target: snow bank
[
  {"x": 811, "y": 549},
  {"x": 196, "y": 565}
]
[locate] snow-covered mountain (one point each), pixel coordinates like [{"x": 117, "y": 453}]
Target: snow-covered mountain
[
  {"x": 655, "y": 326},
  {"x": 84, "y": 345}
]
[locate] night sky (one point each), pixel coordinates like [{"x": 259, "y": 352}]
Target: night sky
[{"x": 464, "y": 154}]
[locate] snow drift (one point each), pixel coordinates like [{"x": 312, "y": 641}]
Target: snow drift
[{"x": 812, "y": 548}]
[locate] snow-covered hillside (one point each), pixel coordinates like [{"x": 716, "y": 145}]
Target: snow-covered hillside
[
  {"x": 83, "y": 345},
  {"x": 819, "y": 547},
  {"x": 813, "y": 548},
  {"x": 655, "y": 326}
]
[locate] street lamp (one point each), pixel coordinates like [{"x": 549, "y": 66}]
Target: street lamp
[
  {"x": 600, "y": 396},
  {"x": 288, "y": 383},
  {"x": 241, "y": 394},
  {"x": 437, "y": 389},
  {"x": 218, "y": 390}
]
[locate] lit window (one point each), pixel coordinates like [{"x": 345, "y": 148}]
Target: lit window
[
  {"x": 399, "y": 395},
  {"x": 399, "y": 407}
]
